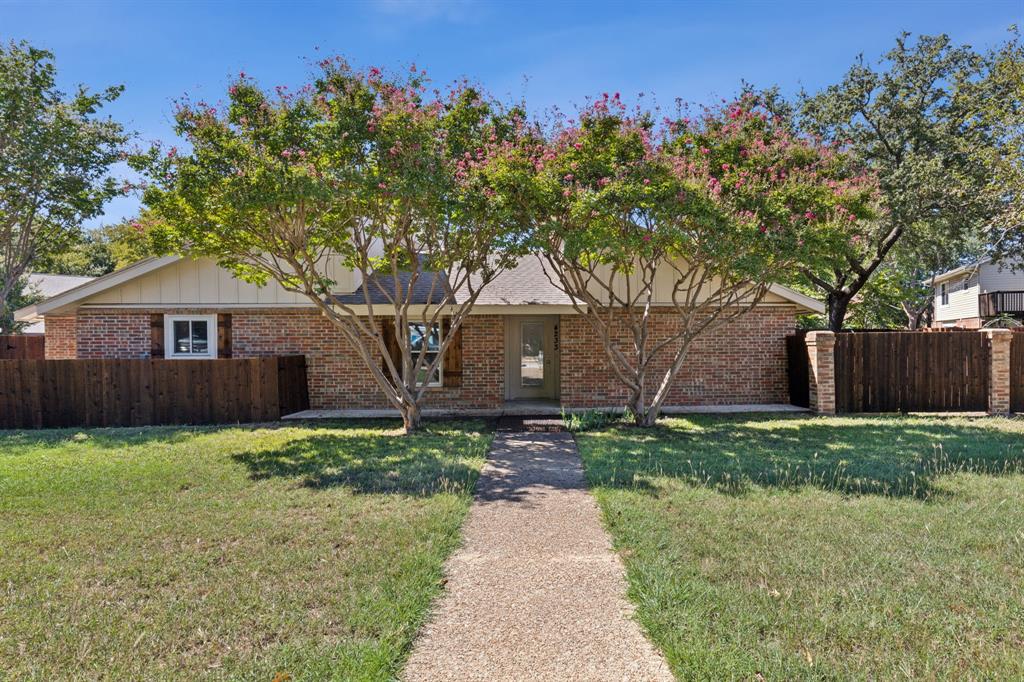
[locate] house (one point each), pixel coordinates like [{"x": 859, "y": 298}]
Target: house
[
  {"x": 46, "y": 286},
  {"x": 522, "y": 341},
  {"x": 972, "y": 295}
]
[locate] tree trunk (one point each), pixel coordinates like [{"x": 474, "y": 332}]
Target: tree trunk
[
  {"x": 650, "y": 418},
  {"x": 636, "y": 406},
  {"x": 654, "y": 411},
  {"x": 411, "y": 417},
  {"x": 637, "y": 399},
  {"x": 838, "y": 304}
]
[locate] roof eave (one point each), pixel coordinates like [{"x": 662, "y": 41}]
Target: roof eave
[
  {"x": 793, "y": 296},
  {"x": 29, "y": 312}
]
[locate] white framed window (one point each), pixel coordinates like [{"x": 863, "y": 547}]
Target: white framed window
[
  {"x": 943, "y": 294},
  {"x": 190, "y": 336},
  {"x": 418, "y": 339}
]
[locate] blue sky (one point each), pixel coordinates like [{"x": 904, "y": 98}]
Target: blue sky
[{"x": 551, "y": 53}]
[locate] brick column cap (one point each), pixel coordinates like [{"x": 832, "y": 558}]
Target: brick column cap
[
  {"x": 821, "y": 338},
  {"x": 997, "y": 332}
]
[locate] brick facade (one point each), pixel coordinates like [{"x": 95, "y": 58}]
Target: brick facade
[
  {"x": 743, "y": 362},
  {"x": 113, "y": 334},
  {"x": 338, "y": 377},
  {"x": 60, "y": 338}
]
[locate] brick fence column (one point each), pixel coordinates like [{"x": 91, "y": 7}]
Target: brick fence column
[
  {"x": 999, "y": 370},
  {"x": 821, "y": 353}
]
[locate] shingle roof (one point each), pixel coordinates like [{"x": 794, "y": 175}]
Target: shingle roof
[
  {"x": 524, "y": 284},
  {"x": 47, "y": 285},
  {"x": 428, "y": 288}
]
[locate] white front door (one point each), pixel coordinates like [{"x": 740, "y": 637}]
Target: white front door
[{"x": 531, "y": 357}]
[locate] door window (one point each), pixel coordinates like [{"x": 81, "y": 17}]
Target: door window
[{"x": 531, "y": 355}]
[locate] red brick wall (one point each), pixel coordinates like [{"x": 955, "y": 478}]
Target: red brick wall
[
  {"x": 113, "y": 334},
  {"x": 743, "y": 362},
  {"x": 338, "y": 378},
  {"x": 60, "y": 338}
]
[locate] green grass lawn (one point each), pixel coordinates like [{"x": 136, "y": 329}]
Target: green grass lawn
[
  {"x": 238, "y": 553},
  {"x": 821, "y": 548}
]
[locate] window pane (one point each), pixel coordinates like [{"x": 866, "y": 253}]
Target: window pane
[
  {"x": 418, "y": 336},
  {"x": 181, "y": 337},
  {"x": 200, "y": 344},
  {"x": 415, "y": 336},
  {"x": 532, "y": 354},
  {"x": 434, "y": 339},
  {"x": 422, "y": 375}
]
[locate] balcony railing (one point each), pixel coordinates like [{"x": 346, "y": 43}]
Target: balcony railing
[{"x": 1001, "y": 302}]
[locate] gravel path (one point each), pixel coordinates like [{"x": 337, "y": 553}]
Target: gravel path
[{"x": 536, "y": 592}]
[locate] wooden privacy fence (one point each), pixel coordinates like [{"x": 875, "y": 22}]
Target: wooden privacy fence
[
  {"x": 64, "y": 393},
  {"x": 22, "y": 347},
  {"x": 911, "y": 371},
  {"x": 1017, "y": 371}
]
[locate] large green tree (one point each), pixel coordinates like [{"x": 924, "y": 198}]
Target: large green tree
[
  {"x": 1002, "y": 95},
  {"x": 371, "y": 172},
  {"x": 931, "y": 123},
  {"x": 107, "y": 248},
  {"x": 693, "y": 218},
  {"x": 56, "y": 153}
]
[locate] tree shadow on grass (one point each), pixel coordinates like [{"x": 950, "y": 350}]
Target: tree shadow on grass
[
  {"x": 370, "y": 462},
  {"x": 369, "y": 456},
  {"x": 108, "y": 437},
  {"x": 892, "y": 456}
]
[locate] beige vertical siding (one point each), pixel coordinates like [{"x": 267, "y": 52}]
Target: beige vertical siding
[{"x": 201, "y": 282}]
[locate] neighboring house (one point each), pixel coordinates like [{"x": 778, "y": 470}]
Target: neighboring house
[
  {"x": 972, "y": 295},
  {"x": 47, "y": 286},
  {"x": 522, "y": 341}
]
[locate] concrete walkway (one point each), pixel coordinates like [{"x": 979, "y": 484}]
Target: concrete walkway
[{"x": 536, "y": 592}]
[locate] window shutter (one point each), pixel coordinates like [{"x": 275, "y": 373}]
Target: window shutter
[
  {"x": 156, "y": 336},
  {"x": 451, "y": 370},
  {"x": 387, "y": 329},
  {"x": 224, "y": 335}
]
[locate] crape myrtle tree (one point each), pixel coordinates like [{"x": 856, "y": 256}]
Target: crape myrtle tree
[
  {"x": 939, "y": 126},
  {"x": 362, "y": 169},
  {"x": 694, "y": 216},
  {"x": 56, "y": 153}
]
